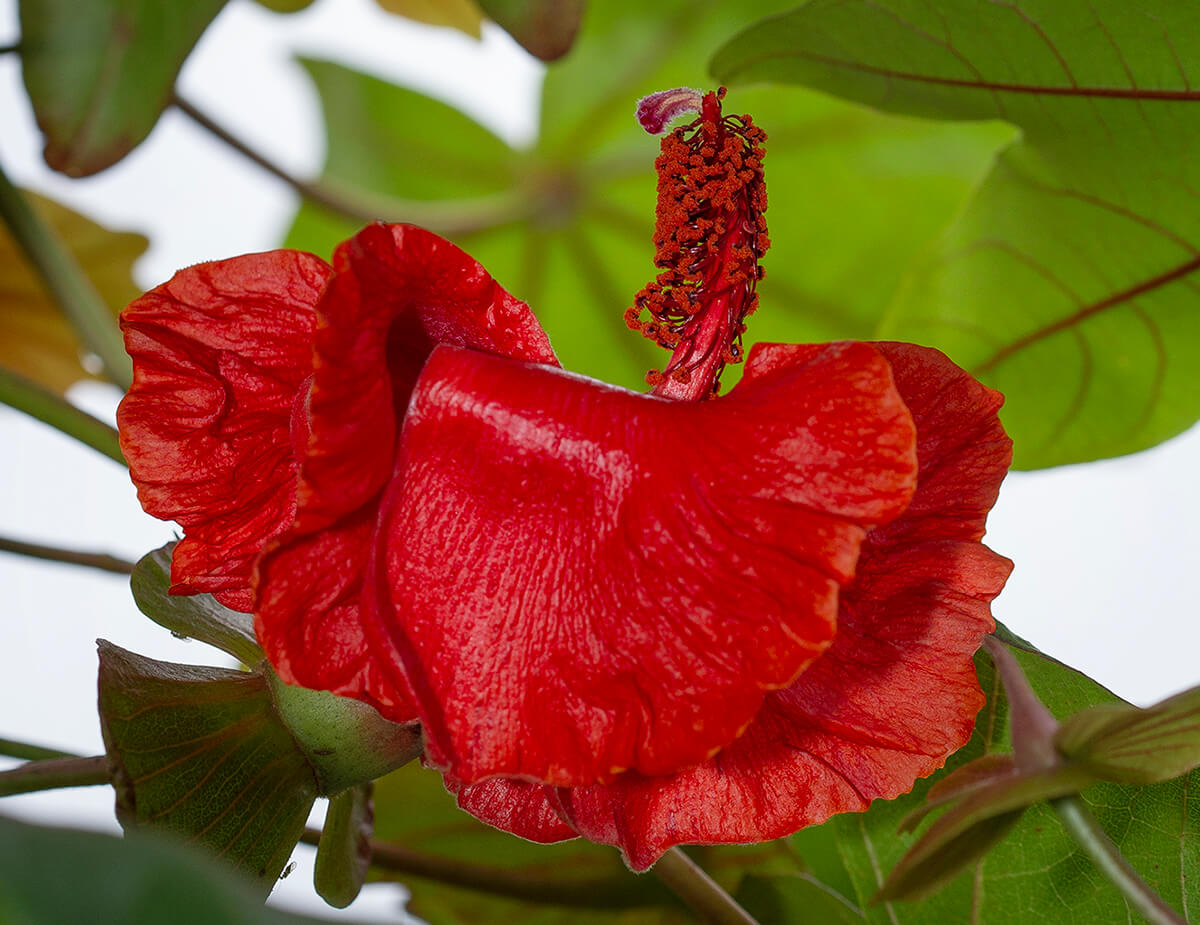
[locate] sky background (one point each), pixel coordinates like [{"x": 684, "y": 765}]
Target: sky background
[{"x": 1105, "y": 553}]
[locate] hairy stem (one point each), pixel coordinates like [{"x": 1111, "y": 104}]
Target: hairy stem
[
  {"x": 29, "y": 752},
  {"x": 1078, "y": 820},
  {"x": 700, "y": 891},
  {"x": 448, "y": 218},
  {"x": 38, "y": 402},
  {"x": 617, "y": 892},
  {"x": 97, "y": 560},
  {"x": 55, "y": 773},
  {"x": 66, "y": 282}
]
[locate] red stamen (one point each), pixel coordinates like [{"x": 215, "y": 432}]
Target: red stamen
[{"x": 709, "y": 236}]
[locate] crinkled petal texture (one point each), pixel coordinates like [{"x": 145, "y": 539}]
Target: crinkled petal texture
[
  {"x": 893, "y": 696},
  {"x": 577, "y": 580},
  {"x": 397, "y": 291},
  {"x": 220, "y": 357}
]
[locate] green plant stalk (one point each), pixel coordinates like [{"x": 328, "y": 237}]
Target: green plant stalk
[
  {"x": 55, "y": 773},
  {"x": 29, "y": 752},
  {"x": 696, "y": 888},
  {"x": 458, "y": 217},
  {"x": 1078, "y": 820},
  {"x": 27, "y": 396},
  {"x": 70, "y": 287},
  {"x": 96, "y": 560},
  {"x": 617, "y": 892}
]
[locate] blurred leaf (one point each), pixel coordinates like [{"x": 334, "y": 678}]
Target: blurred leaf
[
  {"x": 196, "y": 616},
  {"x": 51, "y": 876},
  {"x": 286, "y": 6},
  {"x": 463, "y": 15},
  {"x": 798, "y": 898},
  {"x": 1036, "y": 874},
  {"x": 1132, "y": 746},
  {"x": 344, "y": 852},
  {"x": 200, "y": 752},
  {"x": 1069, "y": 282},
  {"x": 544, "y": 28},
  {"x": 854, "y": 195},
  {"x": 100, "y": 72},
  {"x": 36, "y": 340}
]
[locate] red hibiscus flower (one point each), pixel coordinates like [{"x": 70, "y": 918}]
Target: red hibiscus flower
[{"x": 646, "y": 619}]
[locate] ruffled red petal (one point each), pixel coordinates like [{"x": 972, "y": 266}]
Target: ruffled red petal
[
  {"x": 893, "y": 696},
  {"x": 578, "y": 579},
  {"x": 515, "y": 806},
  {"x": 396, "y": 293},
  {"x": 220, "y": 354}
]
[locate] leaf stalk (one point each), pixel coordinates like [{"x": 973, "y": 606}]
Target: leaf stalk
[
  {"x": 96, "y": 560},
  {"x": 39, "y": 402},
  {"x": 696, "y": 888},
  {"x": 54, "y": 774}
]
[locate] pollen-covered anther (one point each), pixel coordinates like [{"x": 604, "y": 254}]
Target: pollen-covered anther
[{"x": 709, "y": 234}]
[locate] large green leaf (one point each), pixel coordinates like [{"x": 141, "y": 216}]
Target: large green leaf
[
  {"x": 1070, "y": 281},
  {"x": 1037, "y": 873},
  {"x": 50, "y": 876},
  {"x": 855, "y": 195},
  {"x": 100, "y": 72}
]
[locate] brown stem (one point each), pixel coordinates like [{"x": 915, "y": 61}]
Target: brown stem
[
  {"x": 55, "y": 773},
  {"x": 617, "y": 892},
  {"x": 696, "y": 888},
  {"x": 97, "y": 560}
]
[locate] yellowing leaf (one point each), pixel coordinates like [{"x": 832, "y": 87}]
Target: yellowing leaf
[
  {"x": 35, "y": 339},
  {"x": 463, "y": 15}
]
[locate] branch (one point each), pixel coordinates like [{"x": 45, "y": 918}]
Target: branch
[
  {"x": 451, "y": 218},
  {"x": 1083, "y": 827},
  {"x": 38, "y": 402},
  {"x": 55, "y": 773},
  {"x": 97, "y": 560},
  {"x": 66, "y": 282},
  {"x": 597, "y": 892},
  {"x": 700, "y": 891},
  {"x": 24, "y": 750}
]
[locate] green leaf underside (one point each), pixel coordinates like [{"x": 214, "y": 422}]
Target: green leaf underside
[
  {"x": 849, "y": 189},
  {"x": 413, "y": 809},
  {"x": 100, "y": 72},
  {"x": 1036, "y": 873},
  {"x": 197, "y": 616},
  {"x": 200, "y": 752},
  {"x": 544, "y": 28},
  {"x": 795, "y": 898},
  {"x": 1070, "y": 280},
  {"x": 62, "y": 876}
]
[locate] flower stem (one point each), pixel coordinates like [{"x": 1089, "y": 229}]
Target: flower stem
[
  {"x": 618, "y": 892},
  {"x": 55, "y": 773},
  {"x": 1078, "y": 820},
  {"x": 97, "y": 560},
  {"x": 27, "y": 396},
  {"x": 70, "y": 287},
  {"x": 700, "y": 891},
  {"x": 14, "y": 749},
  {"x": 448, "y": 218}
]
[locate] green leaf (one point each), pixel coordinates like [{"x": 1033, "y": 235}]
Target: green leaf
[
  {"x": 344, "y": 851},
  {"x": 197, "y": 616},
  {"x": 201, "y": 753},
  {"x": 544, "y": 28},
  {"x": 855, "y": 195},
  {"x": 286, "y": 6},
  {"x": 795, "y": 898},
  {"x": 1037, "y": 873},
  {"x": 36, "y": 340},
  {"x": 100, "y": 72},
  {"x": 1133, "y": 746},
  {"x": 52, "y": 876},
  {"x": 1068, "y": 282}
]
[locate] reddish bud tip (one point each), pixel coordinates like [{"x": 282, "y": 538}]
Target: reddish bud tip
[{"x": 655, "y": 111}]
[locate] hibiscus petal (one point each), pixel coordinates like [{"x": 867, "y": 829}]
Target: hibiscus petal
[
  {"x": 397, "y": 292},
  {"x": 220, "y": 354},
  {"x": 578, "y": 579},
  {"x": 893, "y": 696},
  {"x": 515, "y": 806}
]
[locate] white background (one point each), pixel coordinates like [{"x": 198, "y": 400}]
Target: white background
[{"x": 1105, "y": 553}]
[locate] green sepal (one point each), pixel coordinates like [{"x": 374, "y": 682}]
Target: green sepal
[
  {"x": 1128, "y": 745},
  {"x": 201, "y": 752},
  {"x": 197, "y": 616},
  {"x": 344, "y": 852}
]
